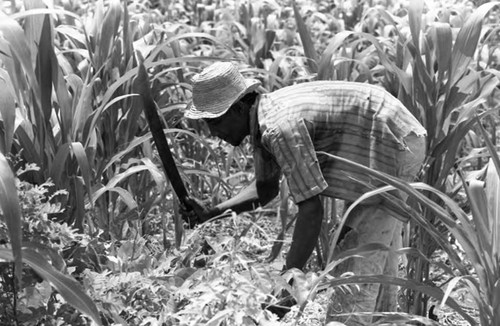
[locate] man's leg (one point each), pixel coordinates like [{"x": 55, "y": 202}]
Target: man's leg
[
  {"x": 369, "y": 224},
  {"x": 373, "y": 224}
]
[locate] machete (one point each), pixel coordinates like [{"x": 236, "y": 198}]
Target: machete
[{"x": 154, "y": 122}]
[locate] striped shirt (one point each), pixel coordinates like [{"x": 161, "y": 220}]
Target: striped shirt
[{"x": 357, "y": 121}]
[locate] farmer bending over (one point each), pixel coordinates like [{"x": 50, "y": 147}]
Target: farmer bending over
[{"x": 288, "y": 128}]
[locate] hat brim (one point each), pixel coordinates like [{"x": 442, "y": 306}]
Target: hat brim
[{"x": 192, "y": 112}]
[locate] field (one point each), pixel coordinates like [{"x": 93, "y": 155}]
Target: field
[{"x": 91, "y": 231}]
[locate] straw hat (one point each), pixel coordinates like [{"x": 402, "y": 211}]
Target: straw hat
[{"x": 216, "y": 88}]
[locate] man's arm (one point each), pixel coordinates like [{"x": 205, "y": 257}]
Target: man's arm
[
  {"x": 255, "y": 194},
  {"x": 305, "y": 235}
]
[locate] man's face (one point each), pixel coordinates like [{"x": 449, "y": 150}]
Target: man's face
[{"x": 231, "y": 127}]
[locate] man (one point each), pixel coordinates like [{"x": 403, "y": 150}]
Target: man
[{"x": 288, "y": 129}]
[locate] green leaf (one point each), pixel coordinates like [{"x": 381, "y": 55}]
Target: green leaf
[
  {"x": 431, "y": 291},
  {"x": 7, "y": 109},
  {"x": 461, "y": 231},
  {"x": 119, "y": 178},
  {"x": 59, "y": 162},
  {"x": 126, "y": 196},
  {"x": 83, "y": 108},
  {"x": 83, "y": 163},
  {"x": 12, "y": 32},
  {"x": 107, "y": 32},
  {"x": 67, "y": 287},
  {"x": 97, "y": 115},
  {"x": 30, "y": 150},
  {"x": 325, "y": 63},
  {"x": 415, "y": 11},
  {"x": 65, "y": 104},
  {"x": 9, "y": 204},
  {"x": 33, "y": 26},
  {"x": 305, "y": 37},
  {"x": 493, "y": 196},
  {"x": 466, "y": 44},
  {"x": 43, "y": 11},
  {"x": 443, "y": 41},
  {"x": 44, "y": 68}
]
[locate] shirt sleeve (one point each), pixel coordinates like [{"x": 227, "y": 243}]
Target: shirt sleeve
[
  {"x": 266, "y": 167},
  {"x": 291, "y": 145}
]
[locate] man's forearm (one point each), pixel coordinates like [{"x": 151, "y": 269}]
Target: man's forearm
[
  {"x": 305, "y": 235},
  {"x": 245, "y": 200}
]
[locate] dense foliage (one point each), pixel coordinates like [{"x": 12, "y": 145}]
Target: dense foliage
[{"x": 90, "y": 231}]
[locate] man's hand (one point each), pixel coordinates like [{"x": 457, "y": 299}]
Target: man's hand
[{"x": 199, "y": 212}]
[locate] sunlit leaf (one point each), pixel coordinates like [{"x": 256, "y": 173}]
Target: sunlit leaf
[
  {"x": 443, "y": 40},
  {"x": 305, "y": 37},
  {"x": 12, "y": 32},
  {"x": 415, "y": 10},
  {"x": 9, "y": 204},
  {"x": 325, "y": 63},
  {"x": 44, "y": 67},
  {"x": 125, "y": 195},
  {"x": 466, "y": 43},
  {"x": 431, "y": 291},
  {"x": 493, "y": 194},
  {"x": 67, "y": 287},
  {"x": 7, "y": 109},
  {"x": 43, "y": 11},
  {"x": 108, "y": 31},
  {"x": 83, "y": 164}
]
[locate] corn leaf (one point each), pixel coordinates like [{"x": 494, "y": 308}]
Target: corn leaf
[
  {"x": 466, "y": 44},
  {"x": 128, "y": 45},
  {"x": 493, "y": 194},
  {"x": 325, "y": 70},
  {"x": 119, "y": 178},
  {"x": 14, "y": 35},
  {"x": 431, "y": 291},
  {"x": 83, "y": 164},
  {"x": 33, "y": 28},
  {"x": 461, "y": 232},
  {"x": 107, "y": 32},
  {"x": 496, "y": 303},
  {"x": 45, "y": 55},
  {"x": 481, "y": 234},
  {"x": 43, "y": 11},
  {"x": 83, "y": 108},
  {"x": 95, "y": 28},
  {"x": 76, "y": 186},
  {"x": 7, "y": 110},
  {"x": 415, "y": 11},
  {"x": 67, "y": 287},
  {"x": 305, "y": 37},
  {"x": 30, "y": 150},
  {"x": 443, "y": 41},
  {"x": 97, "y": 117},
  {"x": 125, "y": 195},
  {"x": 9, "y": 204},
  {"x": 59, "y": 162},
  {"x": 65, "y": 105}
]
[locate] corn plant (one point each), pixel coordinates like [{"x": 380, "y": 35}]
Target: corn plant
[
  {"x": 434, "y": 75},
  {"x": 476, "y": 232},
  {"x": 73, "y": 113}
]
